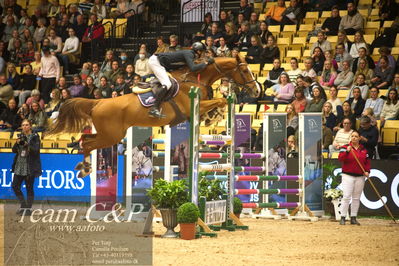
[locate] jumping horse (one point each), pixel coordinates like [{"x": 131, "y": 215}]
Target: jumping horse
[{"x": 112, "y": 117}]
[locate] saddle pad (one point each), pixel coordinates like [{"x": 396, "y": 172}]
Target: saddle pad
[{"x": 147, "y": 99}]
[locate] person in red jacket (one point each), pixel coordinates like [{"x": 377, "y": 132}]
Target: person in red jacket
[
  {"x": 353, "y": 177},
  {"x": 94, "y": 37}
]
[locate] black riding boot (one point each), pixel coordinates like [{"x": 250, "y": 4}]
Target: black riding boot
[
  {"x": 159, "y": 95},
  {"x": 354, "y": 221},
  {"x": 342, "y": 222}
]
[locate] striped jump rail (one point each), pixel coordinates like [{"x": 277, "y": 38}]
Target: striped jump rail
[
  {"x": 215, "y": 137},
  {"x": 158, "y": 141},
  {"x": 215, "y": 155},
  {"x": 215, "y": 142},
  {"x": 267, "y": 191},
  {"x": 216, "y": 167},
  {"x": 249, "y": 168},
  {"x": 267, "y": 177},
  {"x": 159, "y": 154},
  {"x": 272, "y": 205}
]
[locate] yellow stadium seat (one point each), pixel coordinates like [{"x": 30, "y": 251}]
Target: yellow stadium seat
[
  {"x": 312, "y": 40},
  {"x": 369, "y": 38},
  {"x": 255, "y": 68},
  {"x": 289, "y": 28},
  {"x": 268, "y": 67},
  {"x": 306, "y": 53},
  {"x": 306, "y": 27},
  {"x": 342, "y": 94},
  {"x": 262, "y": 16},
  {"x": 281, "y": 108},
  {"x": 294, "y": 53},
  {"x": 283, "y": 41},
  {"x": 334, "y": 155},
  {"x": 332, "y": 39},
  {"x": 392, "y": 124},
  {"x": 107, "y": 26},
  {"x": 287, "y": 3},
  {"x": 287, "y": 65},
  {"x": 237, "y": 108},
  {"x": 394, "y": 51},
  {"x": 314, "y": 14},
  {"x": 365, "y": 2},
  {"x": 390, "y": 136},
  {"x": 261, "y": 80},
  {"x": 243, "y": 54},
  {"x": 120, "y": 27},
  {"x": 274, "y": 29},
  {"x": 326, "y": 14},
  {"x": 270, "y": 4},
  {"x": 249, "y": 108},
  {"x": 298, "y": 43},
  {"x": 388, "y": 23},
  {"x": 372, "y": 25},
  {"x": 351, "y": 38},
  {"x": 364, "y": 12},
  {"x": 343, "y": 13},
  {"x": 256, "y": 124}
]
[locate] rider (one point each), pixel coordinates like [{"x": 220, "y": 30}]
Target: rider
[{"x": 160, "y": 63}]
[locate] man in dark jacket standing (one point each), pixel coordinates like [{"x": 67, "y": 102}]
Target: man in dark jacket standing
[
  {"x": 26, "y": 166},
  {"x": 161, "y": 63}
]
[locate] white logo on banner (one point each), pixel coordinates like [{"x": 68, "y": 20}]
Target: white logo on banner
[
  {"x": 277, "y": 126},
  {"x": 240, "y": 125},
  {"x": 313, "y": 127}
]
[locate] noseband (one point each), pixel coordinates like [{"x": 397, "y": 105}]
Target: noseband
[{"x": 228, "y": 74}]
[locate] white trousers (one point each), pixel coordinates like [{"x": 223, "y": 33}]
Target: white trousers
[
  {"x": 159, "y": 71},
  {"x": 352, "y": 187}
]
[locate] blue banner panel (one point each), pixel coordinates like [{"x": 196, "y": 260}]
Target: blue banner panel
[{"x": 59, "y": 180}]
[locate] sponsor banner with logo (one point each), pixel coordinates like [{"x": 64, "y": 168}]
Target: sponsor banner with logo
[
  {"x": 275, "y": 147},
  {"x": 310, "y": 165},
  {"x": 194, "y": 10},
  {"x": 180, "y": 150},
  {"x": 242, "y": 142}
]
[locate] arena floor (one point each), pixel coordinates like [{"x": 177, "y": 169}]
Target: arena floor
[{"x": 282, "y": 242}]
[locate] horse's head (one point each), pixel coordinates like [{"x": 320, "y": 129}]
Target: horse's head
[{"x": 237, "y": 69}]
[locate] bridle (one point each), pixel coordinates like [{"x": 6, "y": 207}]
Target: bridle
[{"x": 228, "y": 74}]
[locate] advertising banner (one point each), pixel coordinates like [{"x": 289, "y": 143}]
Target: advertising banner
[
  {"x": 180, "y": 150},
  {"x": 310, "y": 159},
  {"x": 194, "y": 10}
]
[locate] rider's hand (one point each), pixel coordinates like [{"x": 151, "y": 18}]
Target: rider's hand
[{"x": 210, "y": 60}]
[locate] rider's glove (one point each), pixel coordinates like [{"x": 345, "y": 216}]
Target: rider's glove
[{"x": 210, "y": 60}]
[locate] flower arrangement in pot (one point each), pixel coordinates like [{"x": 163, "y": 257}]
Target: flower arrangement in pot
[
  {"x": 237, "y": 207},
  {"x": 167, "y": 197},
  {"x": 187, "y": 216}
]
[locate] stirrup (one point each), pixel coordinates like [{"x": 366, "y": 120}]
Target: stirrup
[{"x": 154, "y": 112}]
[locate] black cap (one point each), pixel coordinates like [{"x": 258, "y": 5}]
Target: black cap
[{"x": 45, "y": 49}]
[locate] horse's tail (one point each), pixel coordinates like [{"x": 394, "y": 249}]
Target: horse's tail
[{"x": 73, "y": 115}]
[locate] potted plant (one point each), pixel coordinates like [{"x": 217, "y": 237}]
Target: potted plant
[
  {"x": 332, "y": 194},
  {"x": 187, "y": 216},
  {"x": 210, "y": 189},
  {"x": 167, "y": 197},
  {"x": 237, "y": 207}
]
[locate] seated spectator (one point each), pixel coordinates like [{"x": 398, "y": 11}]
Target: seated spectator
[
  {"x": 215, "y": 33},
  {"x": 90, "y": 87},
  {"x": 8, "y": 29},
  {"x": 97, "y": 94},
  {"x": 327, "y": 136},
  {"x": 105, "y": 88},
  {"x": 368, "y": 135},
  {"x": 35, "y": 97},
  {"x": 63, "y": 27},
  {"x": 318, "y": 60},
  {"x": 254, "y": 24},
  {"x": 28, "y": 53},
  {"x": 123, "y": 60},
  {"x": 328, "y": 115},
  {"x": 274, "y": 74},
  {"x": 129, "y": 75},
  {"x": 283, "y": 90},
  {"x": 28, "y": 84},
  {"x": 255, "y": 51},
  {"x": 353, "y": 21},
  {"x": 17, "y": 54},
  {"x": 342, "y": 137},
  {"x": 224, "y": 88},
  {"x": 270, "y": 51},
  {"x": 309, "y": 85},
  {"x": 85, "y": 6},
  {"x": 38, "y": 118},
  {"x": 54, "y": 104},
  {"x": 99, "y": 9},
  {"x": 292, "y": 151},
  {"x": 26, "y": 37},
  {"x": 9, "y": 13},
  {"x": 292, "y": 120},
  {"x": 385, "y": 51},
  {"x": 316, "y": 104},
  {"x": 210, "y": 45},
  {"x": 346, "y": 113},
  {"x": 106, "y": 66},
  {"x": 235, "y": 52},
  {"x": 23, "y": 113},
  {"x": 374, "y": 102},
  {"x": 322, "y": 42},
  {"x": 395, "y": 83},
  {"x": 143, "y": 46},
  {"x": 6, "y": 92},
  {"x": 361, "y": 84},
  {"x": 264, "y": 33},
  {"x": 370, "y": 113},
  {"x": 9, "y": 118},
  {"x": 245, "y": 9},
  {"x": 274, "y": 15},
  {"x": 40, "y": 31},
  {"x": 205, "y": 27},
  {"x": 295, "y": 71},
  {"x": 309, "y": 71},
  {"x": 49, "y": 73},
  {"x": 335, "y": 101},
  {"x": 162, "y": 47},
  {"x": 114, "y": 94},
  {"x": 26, "y": 30},
  {"x": 77, "y": 89},
  {"x": 223, "y": 19},
  {"x": 120, "y": 86},
  {"x": 357, "y": 44},
  {"x": 390, "y": 110},
  {"x": 362, "y": 54},
  {"x": 331, "y": 24},
  {"x": 383, "y": 74},
  {"x": 74, "y": 12},
  {"x": 291, "y": 15},
  {"x": 115, "y": 71},
  {"x": 96, "y": 74},
  {"x": 93, "y": 38},
  {"x": 329, "y": 56},
  {"x": 244, "y": 37},
  {"x": 357, "y": 103},
  {"x": 86, "y": 71},
  {"x": 70, "y": 52},
  {"x": 364, "y": 70},
  {"x": 37, "y": 64},
  {"x": 44, "y": 7},
  {"x": 174, "y": 43},
  {"x": 230, "y": 35},
  {"x": 341, "y": 56},
  {"x": 13, "y": 78},
  {"x": 223, "y": 50},
  {"x": 15, "y": 36},
  {"x": 328, "y": 75},
  {"x": 141, "y": 67},
  {"x": 61, "y": 84},
  {"x": 299, "y": 103},
  {"x": 345, "y": 78},
  {"x": 65, "y": 95},
  {"x": 136, "y": 80},
  {"x": 54, "y": 9}
]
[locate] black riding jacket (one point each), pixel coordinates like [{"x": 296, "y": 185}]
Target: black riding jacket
[{"x": 175, "y": 60}]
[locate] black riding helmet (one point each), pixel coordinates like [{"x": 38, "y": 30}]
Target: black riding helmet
[{"x": 198, "y": 46}]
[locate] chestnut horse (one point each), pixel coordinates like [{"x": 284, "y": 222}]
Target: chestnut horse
[{"x": 112, "y": 117}]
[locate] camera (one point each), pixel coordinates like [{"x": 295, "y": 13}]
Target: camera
[{"x": 22, "y": 139}]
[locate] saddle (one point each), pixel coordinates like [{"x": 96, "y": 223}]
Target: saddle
[{"x": 145, "y": 91}]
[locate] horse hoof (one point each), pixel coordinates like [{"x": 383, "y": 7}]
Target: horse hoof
[
  {"x": 83, "y": 173},
  {"x": 79, "y": 166}
]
